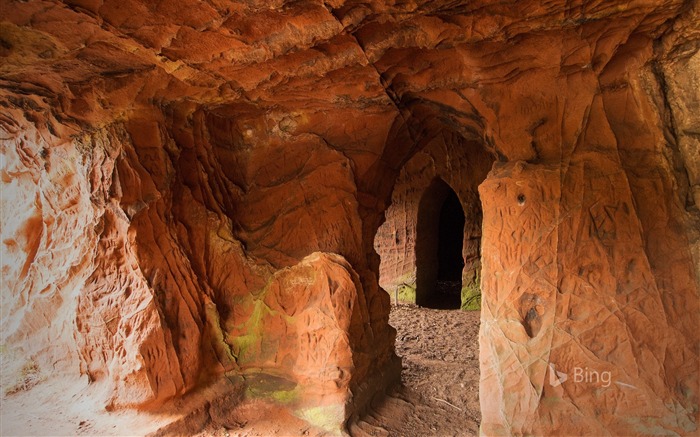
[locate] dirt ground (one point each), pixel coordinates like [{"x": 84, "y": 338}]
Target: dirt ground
[{"x": 439, "y": 395}]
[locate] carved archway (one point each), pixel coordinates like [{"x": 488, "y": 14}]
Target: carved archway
[{"x": 439, "y": 237}]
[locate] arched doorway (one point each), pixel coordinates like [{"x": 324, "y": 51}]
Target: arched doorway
[{"x": 439, "y": 239}]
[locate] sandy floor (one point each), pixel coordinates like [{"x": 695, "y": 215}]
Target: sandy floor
[{"x": 440, "y": 391}]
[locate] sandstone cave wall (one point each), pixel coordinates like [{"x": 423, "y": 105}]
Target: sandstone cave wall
[
  {"x": 126, "y": 245},
  {"x": 593, "y": 270},
  {"x": 463, "y": 166},
  {"x": 193, "y": 194},
  {"x": 678, "y": 74},
  {"x": 587, "y": 254}
]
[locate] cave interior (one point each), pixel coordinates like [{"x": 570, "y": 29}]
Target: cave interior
[{"x": 209, "y": 209}]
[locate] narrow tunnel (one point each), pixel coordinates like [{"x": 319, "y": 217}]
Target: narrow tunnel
[
  {"x": 439, "y": 238},
  {"x": 448, "y": 285}
]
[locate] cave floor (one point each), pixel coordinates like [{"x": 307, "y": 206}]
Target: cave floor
[{"x": 439, "y": 394}]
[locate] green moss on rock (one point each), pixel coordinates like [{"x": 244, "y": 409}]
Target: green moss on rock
[
  {"x": 471, "y": 294},
  {"x": 330, "y": 418}
]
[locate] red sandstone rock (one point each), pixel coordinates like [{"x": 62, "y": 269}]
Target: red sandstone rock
[
  {"x": 458, "y": 164},
  {"x": 577, "y": 306},
  {"x": 167, "y": 172}
]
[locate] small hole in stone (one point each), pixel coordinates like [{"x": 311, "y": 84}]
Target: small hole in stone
[
  {"x": 532, "y": 323},
  {"x": 521, "y": 199}
]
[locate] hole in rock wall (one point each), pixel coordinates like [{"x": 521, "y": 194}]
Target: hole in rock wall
[
  {"x": 429, "y": 243},
  {"x": 439, "y": 238},
  {"x": 450, "y": 262}
]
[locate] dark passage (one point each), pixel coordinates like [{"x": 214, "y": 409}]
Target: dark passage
[
  {"x": 450, "y": 263},
  {"x": 439, "y": 239}
]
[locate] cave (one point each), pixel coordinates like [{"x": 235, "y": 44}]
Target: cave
[
  {"x": 211, "y": 212},
  {"x": 430, "y": 240},
  {"x": 449, "y": 253},
  {"x": 439, "y": 262}
]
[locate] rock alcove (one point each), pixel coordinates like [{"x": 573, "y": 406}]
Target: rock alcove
[
  {"x": 443, "y": 229},
  {"x": 195, "y": 196}
]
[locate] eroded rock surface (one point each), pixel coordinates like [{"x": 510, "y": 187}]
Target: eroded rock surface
[
  {"x": 412, "y": 220},
  {"x": 176, "y": 177},
  {"x": 580, "y": 306}
]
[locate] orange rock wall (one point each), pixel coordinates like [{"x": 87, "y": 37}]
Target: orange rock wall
[
  {"x": 463, "y": 166},
  {"x": 586, "y": 269},
  {"x": 171, "y": 175},
  {"x": 157, "y": 295}
]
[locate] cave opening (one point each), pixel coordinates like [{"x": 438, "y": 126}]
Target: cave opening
[
  {"x": 450, "y": 262},
  {"x": 439, "y": 244}
]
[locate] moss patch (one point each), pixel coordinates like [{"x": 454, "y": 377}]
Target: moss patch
[
  {"x": 407, "y": 293},
  {"x": 247, "y": 347},
  {"x": 471, "y": 294},
  {"x": 270, "y": 387},
  {"x": 405, "y": 287},
  {"x": 330, "y": 418}
]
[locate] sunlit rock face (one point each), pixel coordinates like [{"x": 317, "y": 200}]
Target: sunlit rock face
[{"x": 191, "y": 190}]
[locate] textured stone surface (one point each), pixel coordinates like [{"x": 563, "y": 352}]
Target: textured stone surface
[
  {"x": 162, "y": 295},
  {"x": 578, "y": 306},
  {"x": 168, "y": 170},
  {"x": 462, "y": 165}
]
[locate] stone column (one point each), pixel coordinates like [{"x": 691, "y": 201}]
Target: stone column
[{"x": 575, "y": 338}]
